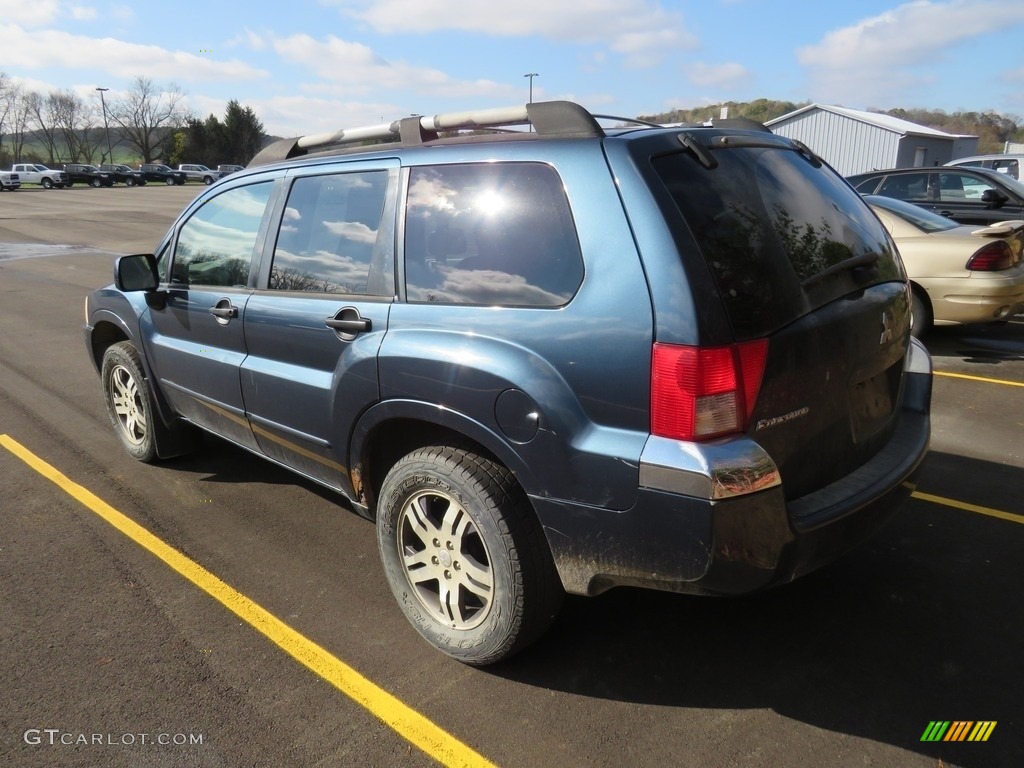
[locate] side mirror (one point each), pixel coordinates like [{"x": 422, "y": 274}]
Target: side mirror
[
  {"x": 136, "y": 273},
  {"x": 994, "y": 198}
]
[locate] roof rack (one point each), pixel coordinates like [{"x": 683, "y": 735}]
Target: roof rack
[{"x": 548, "y": 118}]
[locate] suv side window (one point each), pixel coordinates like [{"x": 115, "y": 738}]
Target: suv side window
[
  {"x": 215, "y": 245},
  {"x": 494, "y": 234},
  {"x": 328, "y": 241}
]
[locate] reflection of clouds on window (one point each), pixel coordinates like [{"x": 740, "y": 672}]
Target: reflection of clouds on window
[
  {"x": 328, "y": 238},
  {"x": 245, "y": 201},
  {"x": 352, "y": 230},
  {"x": 322, "y": 272},
  {"x": 222, "y": 240},
  {"x": 215, "y": 245},
  {"x": 429, "y": 191},
  {"x": 486, "y": 286}
]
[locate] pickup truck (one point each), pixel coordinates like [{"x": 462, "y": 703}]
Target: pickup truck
[
  {"x": 35, "y": 173},
  {"x": 160, "y": 172},
  {"x": 196, "y": 172},
  {"x": 9, "y": 180}
]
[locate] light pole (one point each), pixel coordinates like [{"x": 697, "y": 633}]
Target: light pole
[
  {"x": 531, "y": 75},
  {"x": 106, "y": 128}
]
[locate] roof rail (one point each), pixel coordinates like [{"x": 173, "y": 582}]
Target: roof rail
[{"x": 548, "y": 118}]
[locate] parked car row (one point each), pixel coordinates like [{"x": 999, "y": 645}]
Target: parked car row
[{"x": 109, "y": 174}]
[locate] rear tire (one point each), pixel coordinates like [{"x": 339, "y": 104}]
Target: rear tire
[
  {"x": 920, "y": 314},
  {"x": 464, "y": 555}
]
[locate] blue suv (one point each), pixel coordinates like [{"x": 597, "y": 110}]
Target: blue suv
[{"x": 544, "y": 359}]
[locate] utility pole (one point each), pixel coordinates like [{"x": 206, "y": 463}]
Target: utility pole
[
  {"x": 106, "y": 128},
  {"x": 531, "y": 75}
]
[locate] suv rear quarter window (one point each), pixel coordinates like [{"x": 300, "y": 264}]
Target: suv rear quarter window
[{"x": 490, "y": 234}]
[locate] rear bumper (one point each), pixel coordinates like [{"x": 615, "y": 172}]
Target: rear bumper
[
  {"x": 981, "y": 298},
  {"x": 717, "y": 522}
]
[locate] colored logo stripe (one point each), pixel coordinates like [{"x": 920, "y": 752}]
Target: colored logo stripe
[{"x": 958, "y": 730}]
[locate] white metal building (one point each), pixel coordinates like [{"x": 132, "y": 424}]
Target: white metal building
[{"x": 852, "y": 141}]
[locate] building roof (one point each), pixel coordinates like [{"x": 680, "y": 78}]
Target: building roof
[{"x": 885, "y": 122}]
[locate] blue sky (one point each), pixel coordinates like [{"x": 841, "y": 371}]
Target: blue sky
[{"x": 312, "y": 65}]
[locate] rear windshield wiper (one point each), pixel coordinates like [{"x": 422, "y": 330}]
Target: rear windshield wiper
[
  {"x": 722, "y": 142},
  {"x": 703, "y": 152}
]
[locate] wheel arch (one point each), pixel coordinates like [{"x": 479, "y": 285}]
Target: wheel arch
[
  {"x": 105, "y": 333},
  {"x": 392, "y": 429}
]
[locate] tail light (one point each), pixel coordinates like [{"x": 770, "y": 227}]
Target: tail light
[
  {"x": 699, "y": 393},
  {"x": 992, "y": 257}
]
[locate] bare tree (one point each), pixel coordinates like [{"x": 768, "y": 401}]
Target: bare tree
[
  {"x": 18, "y": 121},
  {"x": 8, "y": 99},
  {"x": 74, "y": 120},
  {"x": 147, "y": 116},
  {"x": 41, "y": 117}
]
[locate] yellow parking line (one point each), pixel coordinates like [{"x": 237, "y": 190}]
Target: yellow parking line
[
  {"x": 411, "y": 725},
  {"x": 968, "y": 507},
  {"x": 1004, "y": 382}
]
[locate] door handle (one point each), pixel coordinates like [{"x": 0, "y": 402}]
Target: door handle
[
  {"x": 224, "y": 311},
  {"x": 348, "y": 323},
  {"x": 349, "y": 326}
]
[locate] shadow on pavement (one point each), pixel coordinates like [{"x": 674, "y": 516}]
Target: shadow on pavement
[{"x": 924, "y": 622}]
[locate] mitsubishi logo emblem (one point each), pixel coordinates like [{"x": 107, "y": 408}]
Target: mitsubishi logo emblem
[{"x": 886, "y": 328}]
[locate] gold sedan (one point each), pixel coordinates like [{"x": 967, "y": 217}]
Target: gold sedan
[{"x": 959, "y": 274}]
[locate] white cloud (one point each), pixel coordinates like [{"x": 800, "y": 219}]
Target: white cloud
[
  {"x": 82, "y": 13},
  {"x": 29, "y": 12},
  {"x": 123, "y": 13},
  {"x": 50, "y": 48},
  {"x": 351, "y": 69},
  {"x": 635, "y": 28},
  {"x": 730, "y": 75},
  {"x": 252, "y": 40},
  {"x": 879, "y": 56}
]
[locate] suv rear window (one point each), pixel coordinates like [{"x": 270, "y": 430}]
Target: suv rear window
[{"x": 775, "y": 230}]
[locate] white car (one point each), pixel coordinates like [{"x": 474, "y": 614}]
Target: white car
[
  {"x": 959, "y": 274},
  {"x": 1008, "y": 164}
]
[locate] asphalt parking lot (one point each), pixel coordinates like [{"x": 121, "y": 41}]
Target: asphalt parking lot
[{"x": 217, "y": 611}]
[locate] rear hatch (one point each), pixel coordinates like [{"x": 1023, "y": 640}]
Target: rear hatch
[{"x": 797, "y": 258}]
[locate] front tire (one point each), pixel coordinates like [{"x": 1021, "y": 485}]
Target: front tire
[
  {"x": 169, "y": 180},
  {"x": 96, "y": 183},
  {"x": 47, "y": 184},
  {"x": 128, "y": 402},
  {"x": 132, "y": 410},
  {"x": 464, "y": 555}
]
